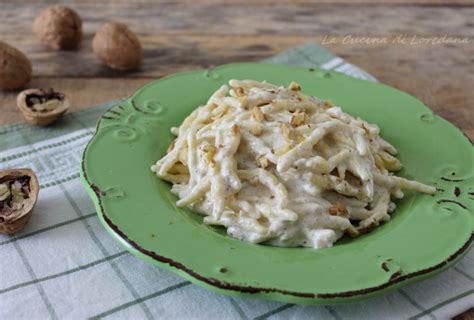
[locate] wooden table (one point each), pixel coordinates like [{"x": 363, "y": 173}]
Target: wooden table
[{"x": 198, "y": 33}]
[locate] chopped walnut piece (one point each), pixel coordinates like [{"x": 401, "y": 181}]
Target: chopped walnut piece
[
  {"x": 244, "y": 102},
  {"x": 256, "y": 129},
  {"x": 262, "y": 162},
  {"x": 235, "y": 129},
  {"x": 339, "y": 209},
  {"x": 258, "y": 114},
  {"x": 209, "y": 152},
  {"x": 298, "y": 118},
  {"x": 239, "y": 91},
  {"x": 179, "y": 168},
  {"x": 328, "y": 104},
  {"x": 294, "y": 86},
  {"x": 4, "y": 192},
  {"x": 342, "y": 209},
  {"x": 263, "y": 220}
]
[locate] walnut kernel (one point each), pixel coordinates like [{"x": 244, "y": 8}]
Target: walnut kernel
[
  {"x": 209, "y": 152},
  {"x": 256, "y": 129},
  {"x": 235, "y": 129},
  {"x": 328, "y": 104},
  {"x": 239, "y": 91},
  {"x": 18, "y": 194},
  {"x": 42, "y": 106},
  {"x": 262, "y": 161},
  {"x": 298, "y": 118},
  {"x": 258, "y": 114},
  {"x": 294, "y": 86}
]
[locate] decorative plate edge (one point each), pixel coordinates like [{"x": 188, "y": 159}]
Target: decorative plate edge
[
  {"x": 255, "y": 290},
  {"x": 94, "y": 189}
]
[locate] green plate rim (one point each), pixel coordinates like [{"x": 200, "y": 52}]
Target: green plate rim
[{"x": 228, "y": 288}]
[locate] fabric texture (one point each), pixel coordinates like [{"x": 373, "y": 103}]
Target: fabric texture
[{"x": 65, "y": 266}]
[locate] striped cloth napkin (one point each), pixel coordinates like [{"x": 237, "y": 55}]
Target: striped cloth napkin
[{"x": 65, "y": 266}]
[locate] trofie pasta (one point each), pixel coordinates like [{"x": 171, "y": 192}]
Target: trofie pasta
[{"x": 275, "y": 166}]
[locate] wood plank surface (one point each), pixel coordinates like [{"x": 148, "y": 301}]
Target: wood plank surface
[
  {"x": 179, "y": 36},
  {"x": 252, "y": 19}
]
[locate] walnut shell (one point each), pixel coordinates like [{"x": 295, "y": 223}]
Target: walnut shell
[
  {"x": 42, "y": 106},
  {"x": 15, "y": 68},
  {"x": 59, "y": 27},
  {"x": 15, "y": 211},
  {"x": 117, "y": 46}
]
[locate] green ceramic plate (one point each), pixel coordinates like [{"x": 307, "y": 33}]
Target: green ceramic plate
[{"x": 425, "y": 236}]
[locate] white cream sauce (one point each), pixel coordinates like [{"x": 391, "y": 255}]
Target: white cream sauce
[{"x": 274, "y": 166}]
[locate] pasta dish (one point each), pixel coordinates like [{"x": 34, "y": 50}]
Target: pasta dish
[{"x": 274, "y": 166}]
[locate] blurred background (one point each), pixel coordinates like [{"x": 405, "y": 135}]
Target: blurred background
[{"x": 183, "y": 35}]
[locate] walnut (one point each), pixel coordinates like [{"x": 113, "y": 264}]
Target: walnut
[
  {"x": 209, "y": 152},
  {"x": 235, "y": 129},
  {"x": 294, "y": 86},
  {"x": 117, "y": 46},
  {"x": 18, "y": 194},
  {"x": 342, "y": 209},
  {"x": 42, "y": 106},
  {"x": 59, "y": 27},
  {"x": 298, "y": 118},
  {"x": 178, "y": 168},
  {"x": 15, "y": 68},
  {"x": 328, "y": 104},
  {"x": 256, "y": 129},
  {"x": 258, "y": 114},
  {"x": 339, "y": 209},
  {"x": 239, "y": 91},
  {"x": 262, "y": 161}
]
